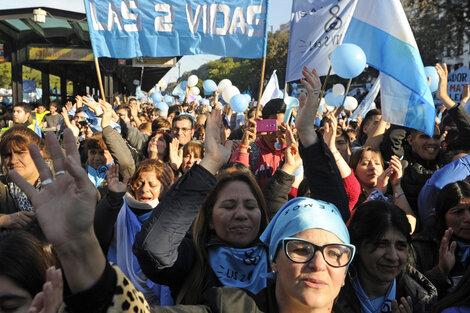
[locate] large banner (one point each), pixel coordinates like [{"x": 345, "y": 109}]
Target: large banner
[
  {"x": 317, "y": 28},
  {"x": 165, "y": 28}
]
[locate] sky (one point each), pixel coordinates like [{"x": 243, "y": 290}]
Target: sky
[{"x": 279, "y": 13}]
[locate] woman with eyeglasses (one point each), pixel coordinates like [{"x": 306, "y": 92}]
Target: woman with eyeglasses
[{"x": 380, "y": 279}]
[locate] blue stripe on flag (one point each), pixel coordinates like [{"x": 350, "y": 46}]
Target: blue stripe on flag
[{"x": 402, "y": 62}]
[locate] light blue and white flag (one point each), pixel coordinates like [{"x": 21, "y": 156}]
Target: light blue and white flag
[
  {"x": 367, "y": 103},
  {"x": 381, "y": 29},
  {"x": 316, "y": 29},
  {"x": 129, "y": 29},
  {"x": 272, "y": 90}
]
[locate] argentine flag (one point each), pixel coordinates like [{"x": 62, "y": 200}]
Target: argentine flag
[{"x": 381, "y": 29}]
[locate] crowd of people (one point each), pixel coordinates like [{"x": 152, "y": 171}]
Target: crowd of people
[{"x": 123, "y": 207}]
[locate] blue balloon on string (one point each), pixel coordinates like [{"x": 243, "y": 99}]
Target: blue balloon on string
[
  {"x": 209, "y": 86},
  {"x": 162, "y": 106},
  {"x": 432, "y": 73},
  {"x": 348, "y": 60},
  {"x": 168, "y": 99},
  {"x": 247, "y": 97},
  {"x": 238, "y": 103}
]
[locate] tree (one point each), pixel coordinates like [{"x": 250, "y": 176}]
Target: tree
[{"x": 441, "y": 27}]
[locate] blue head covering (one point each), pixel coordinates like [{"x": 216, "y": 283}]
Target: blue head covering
[{"x": 300, "y": 214}]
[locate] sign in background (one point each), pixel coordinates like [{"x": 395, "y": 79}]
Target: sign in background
[
  {"x": 48, "y": 53},
  {"x": 129, "y": 29},
  {"x": 456, "y": 82}
]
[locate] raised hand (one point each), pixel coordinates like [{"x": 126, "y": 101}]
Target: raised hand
[
  {"x": 49, "y": 299},
  {"x": 69, "y": 124},
  {"x": 397, "y": 170},
  {"x": 308, "y": 107},
  {"x": 112, "y": 178},
  {"x": 292, "y": 155},
  {"x": 175, "y": 154},
  {"x": 249, "y": 133},
  {"x": 442, "y": 87},
  {"x": 329, "y": 134},
  {"x": 65, "y": 209},
  {"x": 447, "y": 253},
  {"x": 215, "y": 154}
]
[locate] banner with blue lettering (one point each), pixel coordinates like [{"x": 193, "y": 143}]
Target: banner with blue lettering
[{"x": 166, "y": 28}]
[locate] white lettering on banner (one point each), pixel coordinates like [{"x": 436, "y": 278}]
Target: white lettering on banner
[
  {"x": 114, "y": 17},
  {"x": 225, "y": 10},
  {"x": 166, "y": 22},
  {"x": 238, "y": 21},
  {"x": 217, "y": 19},
  {"x": 252, "y": 20},
  {"x": 193, "y": 20},
  {"x": 127, "y": 15},
  {"x": 94, "y": 19}
]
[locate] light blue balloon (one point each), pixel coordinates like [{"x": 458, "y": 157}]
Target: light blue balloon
[
  {"x": 162, "y": 106},
  {"x": 330, "y": 99},
  {"x": 238, "y": 103},
  {"x": 168, "y": 99},
  {"x": 339, "y": 100},
  {"x": 247, "y": 97},
  {"x": 209, "y": 86},
  {"x": 348, "y": 60},
  {"x": 432, "y": 73},
  {"x": 156, "y": 97}
]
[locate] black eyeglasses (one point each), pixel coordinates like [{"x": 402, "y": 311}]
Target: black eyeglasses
[{"x": 302, "y": 251}]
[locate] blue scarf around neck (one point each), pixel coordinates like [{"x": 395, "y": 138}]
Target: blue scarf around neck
[
  {"x": 378, "y": 305},
  {"x": 241, "y": 268},
  {"x": 99, "y": 175}
]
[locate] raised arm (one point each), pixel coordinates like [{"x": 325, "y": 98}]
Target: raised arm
[
  {"x": 320, "y": 169},
  {"x": 164, "y": 254}
]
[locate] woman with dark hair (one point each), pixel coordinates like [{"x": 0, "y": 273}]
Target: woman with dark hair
[
  {"x": 119, "y": 216},
  {"x": 24, "y": 262},
  {"x": 378, "y": 183},
  {"x": 442, "y": 249},
  {"x": 380, "y": 279},
  {"x": 15, "y": 209}
]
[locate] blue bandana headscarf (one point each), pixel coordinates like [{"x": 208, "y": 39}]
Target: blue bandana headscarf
[{"x": 300, "y": 214}]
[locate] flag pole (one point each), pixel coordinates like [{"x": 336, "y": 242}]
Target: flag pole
[
  {"x": 98, "y": 73},
  {"x": 324, "y": 84},
  {"x": 346, "y": 92},
  {"x": 263, "y": 66}
]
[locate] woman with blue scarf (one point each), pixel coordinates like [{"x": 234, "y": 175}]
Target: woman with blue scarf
[
  {"x": 442, "y": 250},
  {"x": 380, "y": 279},
  {"x": 119, "y": 216}
]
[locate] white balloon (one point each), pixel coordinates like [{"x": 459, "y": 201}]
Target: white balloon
[
  {"x": 194, "y": 91},
  {"x": 224, "y": 83},
  {"x": 350, "y": 104},
  {"x": 229, "y": 92},
  {"x": 192, "y": 80},
  {"x": 198, "y": 98},
  {"x": 338, "y": 89}
]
